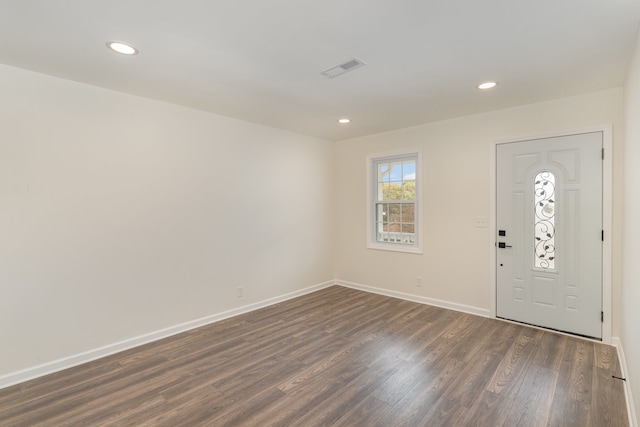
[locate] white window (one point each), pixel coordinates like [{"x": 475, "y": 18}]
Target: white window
[{"x": 393, "y": 208}]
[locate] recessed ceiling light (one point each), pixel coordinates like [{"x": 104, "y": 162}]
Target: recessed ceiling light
[
  {"x": 487, "y": 85},
  {"x": 122, "y": 48},
  {"x": 344, "y": 121}
]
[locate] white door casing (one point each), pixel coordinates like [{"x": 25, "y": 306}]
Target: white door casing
[{"x": 551, "y": 277}]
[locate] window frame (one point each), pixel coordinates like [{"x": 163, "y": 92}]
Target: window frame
[{"x": 372, "y": 201}]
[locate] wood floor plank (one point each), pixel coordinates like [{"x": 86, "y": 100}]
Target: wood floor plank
[
  {"x": 503, "y": 338},
  {"x": 339, "y": 357},
  {"x": 369, "y": 412},
  {"x": 473, "y": 379},
  {"x": 490, "y": 409},
  {"x": 439, "y": 343},
  {"x": 606, "y": 357},
  {"x": 566, "y": 411},
  {"x": 254, "y": 405},
  {"x": 265, "y": 374},
  {"x": 474, "y": 339},
  {"x": 413, "y": 408},
  {"x": 313, "y": 371},
  {"x": 550, "y": 350},
  {"x": 580, "y": 361},
  {"x": 55, "y": 404},
  {"x": 509, "y": 375},
  {"x": 445, "y": 413},
  {"x": 200, "y": 403},
  {"x": 315, "y": 393},
  {"x": 126, "y": 394},
  {"x": 398, "y": 385},
  {"x": 532, "y": 404},
  {"x": 352, "y": 394},
  {"x": 605, "y": 400}
]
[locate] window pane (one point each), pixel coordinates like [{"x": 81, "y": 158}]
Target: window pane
[
  {"x": 395, "y": 213},
  {"x": 408, "y": 170},
  {"x": 408, "y": 228},
  {"x": 383, "y": 172},
  {"x": 408, "y": 212},
  {"x": 393, "y": 227},
  {"x": 544, "y": 221},
  {"x": 409, "y": 190},
  {"x": 385, "y": 191},
  {"x": 394, "y": 191},
  {"x": 396, "y": 171}
]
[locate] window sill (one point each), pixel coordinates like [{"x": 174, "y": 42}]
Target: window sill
[{"x": 395, "y": 248}]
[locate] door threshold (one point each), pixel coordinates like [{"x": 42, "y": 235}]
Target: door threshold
[{"x": 545, "y": 328}]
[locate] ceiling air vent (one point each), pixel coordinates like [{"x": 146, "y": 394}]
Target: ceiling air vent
[{"x": 345, "y": 67}]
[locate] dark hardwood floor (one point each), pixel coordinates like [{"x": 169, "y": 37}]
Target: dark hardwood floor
[{"x": 337, "y": 357}]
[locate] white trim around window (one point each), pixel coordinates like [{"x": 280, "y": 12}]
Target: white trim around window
[{"x": 394, "y": 201}]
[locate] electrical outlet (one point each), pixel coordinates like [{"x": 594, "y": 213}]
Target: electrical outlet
[
  {"x": 481, "y": 222},
  {"x": 419, "y": 281},
  {"x": 240, "y": 291}
]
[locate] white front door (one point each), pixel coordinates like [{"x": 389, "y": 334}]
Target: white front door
[{"x": 549, "y": 233}]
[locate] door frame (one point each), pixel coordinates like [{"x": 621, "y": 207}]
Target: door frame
[{"x": 607, "y": 215}]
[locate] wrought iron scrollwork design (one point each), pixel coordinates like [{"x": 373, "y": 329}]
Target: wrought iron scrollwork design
[{"x": 544, "y": 220}]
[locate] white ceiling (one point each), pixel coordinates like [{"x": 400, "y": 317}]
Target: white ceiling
[{"x": 261, "y": 60}]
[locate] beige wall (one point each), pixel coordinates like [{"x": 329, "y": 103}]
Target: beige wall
[
  {"x": 121, "y": 216},
  {"x": 455, "y": 189},
  {"x": 631, "y": 240}
]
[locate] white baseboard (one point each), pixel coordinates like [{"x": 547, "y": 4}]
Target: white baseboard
[
  {"x": 416, "y": 298},
  {"x": 633, "y": 420},
  {"x": 13, "y": 378}
]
